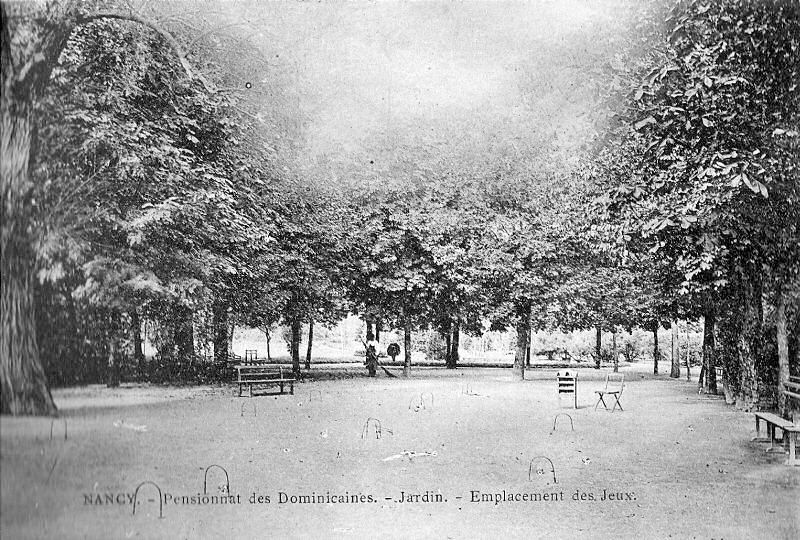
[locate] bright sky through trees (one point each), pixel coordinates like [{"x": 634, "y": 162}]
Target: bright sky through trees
[{"x": 468, "y": 77}]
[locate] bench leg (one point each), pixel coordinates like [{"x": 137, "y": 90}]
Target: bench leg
[
  {"x": 281, "y": 385},
  {"x": 251, "y": 390},
  {"x": 772, "y": 447},
  {"x": 792, "y": 448},
  {"x": 758, "y": 437},
  {"x": 291, "y": 388},
  {"x": 240, "y": 389}
]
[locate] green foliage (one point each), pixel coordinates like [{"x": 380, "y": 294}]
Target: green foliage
[{"x": 715, "y": 125}]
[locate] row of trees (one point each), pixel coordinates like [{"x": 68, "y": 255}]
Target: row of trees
[
  {"x": 141, "y": 187},
  {"x": 702, "y": 183}
]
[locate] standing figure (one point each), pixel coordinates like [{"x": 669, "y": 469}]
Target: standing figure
[{"x": 372, "y": 359}]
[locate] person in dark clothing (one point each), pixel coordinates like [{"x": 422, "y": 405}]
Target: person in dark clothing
[{"x": 372, "y": 360}]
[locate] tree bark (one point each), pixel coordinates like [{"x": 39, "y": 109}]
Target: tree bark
[
  {"x": 523, "y": 327},
  {"x": 269, "y": 338},
  {"x": 709, "y": 353},
  {"x": 136, "y": 336},
  {"x": 448, "y": 347},
  {"x": 23, "y": 380},
  {"x": 675, "y": 370},
  {"x": 406, "y": 346},
  {"x": 614, "y": 350},
  {"x": 688, "y": 347},
  {"x": 729, "y": 326},
  {"x": 454, "y": 345},
  {"x": 528, "y": 348},
  {"x": 220, "y": 324},
  {"x": 598, "y": 347},
  {"x": 378, "y": 329},
  {"x": 656, "y": 352},
  {"x": 783, "y": 353},
  {"x": 310, "y": 341},
  {"x": 113, "y": 367},
  {"x": 296, "y": 328},
  {"x": 748, "y": 346}
]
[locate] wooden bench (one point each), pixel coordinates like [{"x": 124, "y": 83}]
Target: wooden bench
[
  {"x": 261, "y": 374},
  {"x": 789, "y": 428}
]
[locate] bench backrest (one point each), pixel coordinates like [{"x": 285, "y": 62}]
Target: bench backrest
[
  {"x": 792, "y": 393},
  {"x": 250, "y": 372}
]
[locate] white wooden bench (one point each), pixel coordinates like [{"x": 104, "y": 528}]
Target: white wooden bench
[{"x": 262, "y": 374}]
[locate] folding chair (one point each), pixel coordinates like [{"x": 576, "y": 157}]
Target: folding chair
[
  {"x": 615, "y": 383},
  {"x": 568, "y": 384}
]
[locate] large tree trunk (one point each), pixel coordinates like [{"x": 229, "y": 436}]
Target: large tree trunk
[
  {"x": 22, "y": 377},
  {"x": 220, "y": 323},
  {"x": 729, "y": 324},
  {"x": 598, "y": 344},
  {"x": 656, "y": 352},
  {"x": 709, "y": 353},
  {"x": 675, "y": 370},
  {"x": 406, "y": 347},
  {"x": 310, "y": 341},
  {"x": 24, "y": 385},
  {"x": 523, "y": 328},
  {"x": 378, "y": 328},
  {"x": 783, "y": 353},
  {"x": 295, "y": 346},
  {"x": 748, "y": 346}
]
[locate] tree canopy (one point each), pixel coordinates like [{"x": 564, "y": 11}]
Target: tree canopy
[{"x": 596, "y": 165}]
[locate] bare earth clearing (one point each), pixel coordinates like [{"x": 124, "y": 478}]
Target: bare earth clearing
[{"x": 685, "y": 462}]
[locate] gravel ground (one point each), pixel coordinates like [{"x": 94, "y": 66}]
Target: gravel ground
[{"x": 463, "y": 446}]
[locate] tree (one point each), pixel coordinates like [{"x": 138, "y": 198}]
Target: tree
[{"x": 33, "y": 36}]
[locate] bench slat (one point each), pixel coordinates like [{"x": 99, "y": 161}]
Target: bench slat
[{"x": 774, "y": 419}]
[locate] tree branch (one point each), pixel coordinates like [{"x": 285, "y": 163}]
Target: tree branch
[{"x": 166, "y": 35}]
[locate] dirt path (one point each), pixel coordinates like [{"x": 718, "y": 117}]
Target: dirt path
[{"x": 682, "y": 465}]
